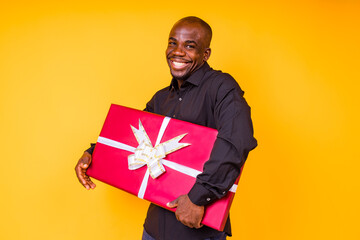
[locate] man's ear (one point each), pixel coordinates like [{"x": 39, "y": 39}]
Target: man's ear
[{"x": 207, "y": 54}]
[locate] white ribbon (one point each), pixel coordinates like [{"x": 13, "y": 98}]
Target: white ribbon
[
  {"x": 153, "y": 157},
  {"x": 146, "y": 154}
]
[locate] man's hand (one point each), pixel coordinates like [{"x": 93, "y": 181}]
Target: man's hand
[
  {"x": 187, "y": 212},
  {"x": 80, "y": 169}
]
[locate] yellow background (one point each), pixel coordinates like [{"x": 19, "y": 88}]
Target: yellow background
[{"x": 62, "y": 63}]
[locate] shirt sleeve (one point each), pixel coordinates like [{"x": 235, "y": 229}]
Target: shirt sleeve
[
  {"x": 150, "y": 105},
  {"x": 234, "y": 142},
  {"x": 91, "y": 149}
]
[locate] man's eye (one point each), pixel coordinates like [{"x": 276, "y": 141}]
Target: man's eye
[
  {"x": 190, "y": 46},
  {"x": 172, "y": 43}
]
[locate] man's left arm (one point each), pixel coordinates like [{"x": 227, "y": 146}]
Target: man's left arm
[{"x": 235, "y": 140}]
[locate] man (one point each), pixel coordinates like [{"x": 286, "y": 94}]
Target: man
[{"x": 203, "y": 96}]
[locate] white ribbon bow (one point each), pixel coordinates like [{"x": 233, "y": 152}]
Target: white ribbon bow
[{"x": 146, "y": 154}]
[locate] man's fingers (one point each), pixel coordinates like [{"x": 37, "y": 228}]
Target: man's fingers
[
  {"x": 187, "y": 212},
  {"x": 172, "y": 204},
  {"x": 188, "y": 223},
  {"x": 86, "y": 181},
  {"x": 84, "y": 165},
  {"x": 92, "y": 185},
  {"x": 199, "y": 225},
  {"x": 191, "y": 224},
  {"x": 80, "y": 169},
  {"x": 83, "y": 178},
  {"x": 89, "y": 182}
]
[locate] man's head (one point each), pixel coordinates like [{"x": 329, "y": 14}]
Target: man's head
[{"x": 188, "y": 47}]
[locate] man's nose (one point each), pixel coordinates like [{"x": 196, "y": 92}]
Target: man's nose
[{"x": 179, "y": 51}]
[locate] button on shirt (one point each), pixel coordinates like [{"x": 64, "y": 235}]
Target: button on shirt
[{"x": 213, "y": 99}]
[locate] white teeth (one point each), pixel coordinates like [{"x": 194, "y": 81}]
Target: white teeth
[{"x": 178, "y": 64}]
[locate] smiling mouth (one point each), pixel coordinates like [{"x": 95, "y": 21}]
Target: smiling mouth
[{"x": 178, "y": 65}]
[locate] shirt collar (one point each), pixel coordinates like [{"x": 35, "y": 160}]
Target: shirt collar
[{"x": 194, "y": 78}]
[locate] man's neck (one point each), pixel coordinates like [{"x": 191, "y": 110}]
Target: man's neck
[{"x": 179, "y": 82}]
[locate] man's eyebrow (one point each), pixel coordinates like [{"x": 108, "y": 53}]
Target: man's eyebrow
[
  {"x": 187, "y": 41},
  {"x": 191, "y": 41}
]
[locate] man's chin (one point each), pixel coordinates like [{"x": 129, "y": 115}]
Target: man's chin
[{"x": 179, "y": 76}]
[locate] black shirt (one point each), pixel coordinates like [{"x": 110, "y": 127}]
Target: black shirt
[{"x": 213, "y": 99}]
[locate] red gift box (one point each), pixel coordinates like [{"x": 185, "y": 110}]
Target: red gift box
[{"x": 155, "y": 158}]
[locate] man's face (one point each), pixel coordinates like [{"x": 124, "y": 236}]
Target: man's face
[{"x": 187, "y": 49}]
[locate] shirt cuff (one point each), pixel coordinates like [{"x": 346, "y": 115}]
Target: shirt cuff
[
  {"x": 201, "y": 196},
  {"x": 91, "y": 149}
]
